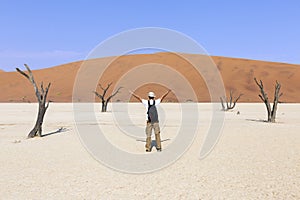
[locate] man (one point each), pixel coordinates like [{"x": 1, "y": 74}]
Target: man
[{"x": 152, "y": 118}]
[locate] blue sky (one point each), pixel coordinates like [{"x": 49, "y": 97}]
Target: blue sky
[{"x": 48, "y": 33}]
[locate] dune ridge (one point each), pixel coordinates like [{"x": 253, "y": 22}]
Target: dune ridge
[{"x": 236, "y": 73}]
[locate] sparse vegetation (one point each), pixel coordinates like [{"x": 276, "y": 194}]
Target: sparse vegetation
[
  {"x": 24, "y": 99},
  {"x": 229, "y": 104},
  {"x": 41, "y": 95},
  {"x": 264, "y": 97},
  {"x": 103, "y": 98}
]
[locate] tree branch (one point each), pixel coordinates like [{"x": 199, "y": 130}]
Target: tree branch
[
  {"x": 230, "y": 102},
  {"x": 98, "y": 95},
  {"x": 101, "y": 87},
  {"x": 114, "y": 94},
  {"x": 31, "y": 79},
  {"x": 46, "y": 92},
  {"x": 42, "y": 88},
  {"x": 23, "y": 73},
  {"x": 222, "y": 103},
  {"x": 105, "y": 89},
  {"x": 238, "y": 97}
]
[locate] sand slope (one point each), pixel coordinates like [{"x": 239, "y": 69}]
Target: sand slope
[{"x": 237, "y": 74}]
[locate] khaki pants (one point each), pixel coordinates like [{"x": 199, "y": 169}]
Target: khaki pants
[{"x": 156, "y": 128}]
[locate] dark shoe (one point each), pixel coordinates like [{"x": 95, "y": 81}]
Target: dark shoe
[
  {"x": 158, "y": 149},
  {"x": 148, "y": 150}
]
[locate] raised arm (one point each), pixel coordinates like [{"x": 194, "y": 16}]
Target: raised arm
[
  {"x": 163, "y": 96},
  {"x": 136, "y": 96}
]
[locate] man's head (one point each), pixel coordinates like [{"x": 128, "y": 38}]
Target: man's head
[{"x": 151, "y": 95}]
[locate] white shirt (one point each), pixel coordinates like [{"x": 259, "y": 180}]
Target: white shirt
[{"x": 145, "y": 103}]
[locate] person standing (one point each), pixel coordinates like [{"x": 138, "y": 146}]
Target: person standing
[{"x": 152, "y": 118}]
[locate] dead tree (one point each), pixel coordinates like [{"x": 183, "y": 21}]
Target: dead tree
[
  {"x": 41, "y": 94},
  {"x": 102, "y": 96},
  {"x": 229, "y": 104},
  {"x": 264, "y": 97}
]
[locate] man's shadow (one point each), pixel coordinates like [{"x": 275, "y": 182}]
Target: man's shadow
[{"x": 153, "y": 142}]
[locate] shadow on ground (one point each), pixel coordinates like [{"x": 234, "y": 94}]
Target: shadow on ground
[
  {"x": 257, "y": 120},
  {"x": 153, "y": 142},
  {"x": 60, "y": 130}
]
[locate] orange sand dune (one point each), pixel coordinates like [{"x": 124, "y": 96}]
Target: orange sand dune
[{"x": 237, "y": 75}]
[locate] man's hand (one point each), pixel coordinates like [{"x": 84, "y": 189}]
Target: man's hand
[
  {"x": 163, "y": 96},
  {"x": 136, "y": 96},
  {"x": 130, "y": 92}
]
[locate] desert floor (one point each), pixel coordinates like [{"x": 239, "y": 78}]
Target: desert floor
[{"x": 252, "y": 159}]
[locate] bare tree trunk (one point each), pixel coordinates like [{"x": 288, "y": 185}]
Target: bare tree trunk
[
  {"x": 276, "y": 101},
  {"x": 37, "y": 129},
  {"x": 102, "y": 96},
  {"x": 104, "y": 106},
  {"x": 264, "y": 97},
  {"x": 231, "y": 103},
  {"x": 222, "y": 103},
  {"x": 41, "y": 95}
]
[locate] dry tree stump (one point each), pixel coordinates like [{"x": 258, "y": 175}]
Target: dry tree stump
[
  {"x": 103, "y": 98},
  {"x": 229, "y": 104},
  {"x": 41, "y": 95},
  {"x": 271, "y": 112}
]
